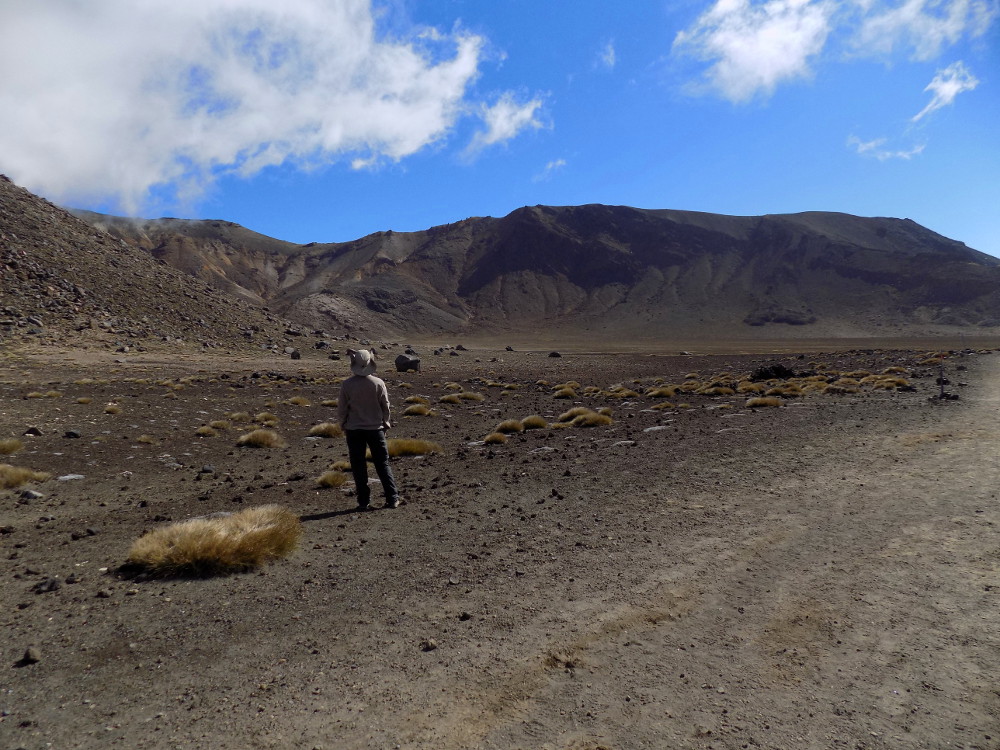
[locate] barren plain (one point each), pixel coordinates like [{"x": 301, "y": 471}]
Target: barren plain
[{"x": 820, "y": 574}]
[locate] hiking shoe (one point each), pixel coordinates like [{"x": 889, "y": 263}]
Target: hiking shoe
[
  {"x": 363, "y": 506},
  {"x": 394, "y": 503}
]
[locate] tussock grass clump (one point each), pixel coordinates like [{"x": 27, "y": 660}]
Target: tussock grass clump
[
  {"x": 451, "y": 398},
  {"x": 559, "y": 425},
  {"x": 576, "y": 411},
  {"x": 417, "y": 400},
  {"x": 565, "y": 393},
  {"x": 666, "y": 391},
  {"x": 84, "y": 400},
  {"x": 331, "y": 479},
  {"x": 762, "y": 401},
  {"x": 411, "y": 447},
  {"x": 341, "y": 465},
  {"x": 326, "y": 430},
  {"x": 53, "y": 394},
  {"x": 146, "y": 440},
  {"x": 717, "y": 390},
  {"x": 471, "y": 396},
  {"x": 217, "y": 546},
  {"x": 15, "y": 476},
  {"x": 260, "y": 439},
  {"x": 620, "y": 392},
  {"x": 299, "y": 401},
  {"x": 34, "y": 394},
  {"x": 592, "y": 419},
  {"x": 508, "y": 426},
  {"x": 238, "y": 416},
  {"x": 329, "y": 402},
  {"x": 663, "y": 405},
  {"x": 453, "y": 387},
  {"x": 748, "y": 386},
  {"x": 787, "y": 390},
  {"x": 417, "y": 410},
  {"x": 10, "y": 445},
  {"x": 534, "y": 422},
  {"x": 895, "y": 371},
  {"x": 605, "y": 410},
  {"x": 205, "y": 431},
  {"x": 112, "y": 408},
  {"x": 495, "y": 438},
  {"x": 219, "y": 424}
]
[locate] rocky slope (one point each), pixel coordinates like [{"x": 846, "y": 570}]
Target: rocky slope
[
  {"x": 604, "y": 272},
  {"x": 64, "y": 282}
]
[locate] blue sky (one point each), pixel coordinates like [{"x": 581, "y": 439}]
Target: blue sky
[{"x": 324, "y": 120}]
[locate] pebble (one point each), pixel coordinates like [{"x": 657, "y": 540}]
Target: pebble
[
  {"x": 31, "y": 495},
  {"x": 69, "y": 477},
  {"x": 428, "y": 644},
  {"x": 32, "y": 655}
]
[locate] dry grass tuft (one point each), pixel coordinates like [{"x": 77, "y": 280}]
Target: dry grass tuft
[
  {"x": 748, "y": 386},
  {"x": 534, "y": 422},
  {"x": 221, "y": 545},
  {"x": 238, "y": 416},
  {"x": 299, "y": 401},
  {"x": 219, "y": 424},
  {"x": 667, "y": 391},
  {"x": 341, "y": 465},
  {"x": 10, "y": 445},
  {"x": 576, "y": 411},
  {"x": 329, "y": 402},
  {"x": 495, "y": 438},
  {"x": 260, "y": 439},
  {"x": 112, "y": 408},
  {"x": 663, "y": 405},
  {"x": 34, "y": 394},
  {"x": 471, "y": 396},
  {"x": 565, "y": 393},
  {"x": 453, "y": 387},
  {"x": 146, "y": 440},
  {"x": 411, "y": 447},
  {"x": 84, "y": 400},
  {"x": 417, "y": 400},
  {"x": 593, "y": 419},
  {"x": 205, "y": 431},
  {"x": 15, "y": 476},
  {"x": 508, "y": 426},
  {"x": 417, "y": 410},
  {"x": 326, "y": 430},
  {"x": 717, "y": 390},
  {"x": 451, "y": 398},
  {"x": 331, "y": 479},
  {"x": 760, "y": 401}
]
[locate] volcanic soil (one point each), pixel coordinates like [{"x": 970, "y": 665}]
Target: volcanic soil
[{"x": 820, "y": 574}]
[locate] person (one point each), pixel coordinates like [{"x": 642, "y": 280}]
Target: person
[{"x": 363, "y": 413}]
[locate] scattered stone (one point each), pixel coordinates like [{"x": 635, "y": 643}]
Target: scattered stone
[
  {"x": 31, "y": 495},
  {"x": 428, "y": 644},
  {"x": 69, "y": 477},
  {"x": 295, "y": 354},
  {"x": 554, "y": 354},
  {"x": 104, "y": 594},
  {"x": 32, "y": 655},
  {"x": 47, "y": 585},
  {"x": 72, "y": 434},
  {"x": 465, "y": 617},
  {"x": 33, "y": 432}
]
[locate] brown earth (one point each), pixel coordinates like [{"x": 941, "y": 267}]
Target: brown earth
[{"x": 819, "y": 575}]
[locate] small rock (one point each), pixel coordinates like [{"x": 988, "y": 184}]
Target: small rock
[
  {"x": 32, "y": 655},
  {"x": 69, "y": 477},
  {"x": 72, "y": 434},
  {"x": 554, "y": 354},
  {"x": 104, "y": 594},
  {"x": 33, "y": 431},
  {"x": 428, "y": 644},
  {"x": 31, "y": 495},
  {"x": 46, "y": 585}
]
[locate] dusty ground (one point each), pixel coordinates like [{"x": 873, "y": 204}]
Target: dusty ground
[{"x": 820, "y": 575}]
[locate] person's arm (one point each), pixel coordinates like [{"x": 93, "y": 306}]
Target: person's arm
[
  {"x": 383, "y": 401},
  {"x": 342, "y": 407}
]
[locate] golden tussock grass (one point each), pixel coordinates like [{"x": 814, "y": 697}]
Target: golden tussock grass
[
  {"x": 329, "y": 402},
  {"x": 417, "y": 410},
  {"x": 411, "y": 447},
  {"x": 889, "y": 383},
  {"x": 238, "y": 416},
  {"x": 219, "y": 424},
  {"x": 761, "y": 401},
  {"x": 217, "y": 546},
  {"x": 146, "y": 440},
  {"x": 495, "y": 438},
  {"x": 341, "y": 465},
  {"x": 84, "y": 400},
  {"x": 471, "y": 396},
  {"x": 331, "y": 479},
  {"x": 112, "y": 409},
  {"x": 404, "y": 385},
  {"x": 746, "y": 386},
  {"x": 663, "y": 405},
  {"x": 534, "y": 422},
  {"x": 605, "y": 410},
  {"x": 895, "y": 371},
  {"x": 417, "y": 400},
  {"x": 564, "y": 393},
  {"x": 84, "y": 381},
  {"x": 619, "y": 392},
  {"x": 451, "y": 398},
  {"x": 15, "y": 476},
  {"x": 838, "y": 389},
  {"x": 299, "y": 401},
  {"x": 326, "y": 430},
  {"x": 453, "y": 387},
  {"x": 171, "y": 395},
  {"x": 542, "y": 382},
  {"x": 717, "y": 390},
  {"x": 576, "y": 411},
  {"x": 265, "y": 416},
  {"x": 34, "y": 394},
  {"x": 568, "y": 384},
  {"x": 10, "y": 445},
  {"x": 511, "y": 386},
  {"x": 668, "y": 391},
  {"x": 787, "y": 390},
  {"x": 593, "y": 419},
  {"x": 260, "y": 439},
  {"x": 691, "y": 376},
  {"x": 509, "y": 425},
  {"x": 205, "y": 431}
]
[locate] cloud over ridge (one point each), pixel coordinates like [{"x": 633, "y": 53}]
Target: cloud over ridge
[{"x": 124, "y": 98}]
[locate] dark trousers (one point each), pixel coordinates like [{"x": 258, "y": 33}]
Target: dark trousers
[{"x": 374, "y": 440}]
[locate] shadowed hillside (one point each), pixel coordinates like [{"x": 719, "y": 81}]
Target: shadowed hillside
[{"x": 603, "y": 271}]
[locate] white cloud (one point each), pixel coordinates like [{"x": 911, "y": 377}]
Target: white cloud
[
  {"x": 753, "y": 47},
  {"x": 876, "y": 149},
  {"x": 946, "y": 85},
  {"x": 607, "y": 56},
  {"x": 124, "y": 98},
  {"x": 550, "y": 169},
  {"x": 924, "y": 27},
  {"x": 504, "y": 120}
]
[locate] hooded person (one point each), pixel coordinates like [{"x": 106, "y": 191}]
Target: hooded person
[{"x": 363, "y": 413}]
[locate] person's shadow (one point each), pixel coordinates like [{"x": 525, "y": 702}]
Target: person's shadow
[{"x": 335, "y": 513}]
